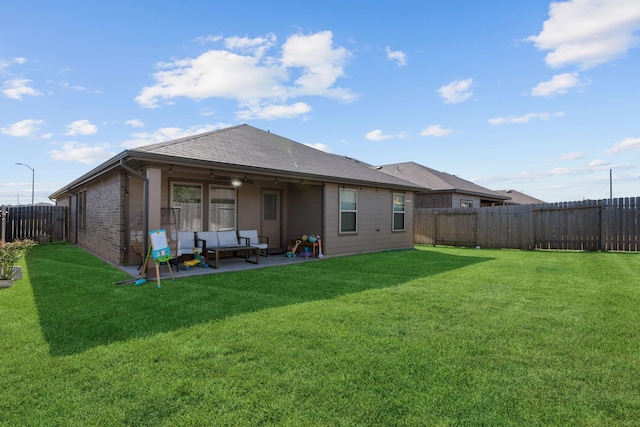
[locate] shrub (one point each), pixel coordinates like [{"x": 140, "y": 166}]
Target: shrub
[{"x": 10, "y": 254}]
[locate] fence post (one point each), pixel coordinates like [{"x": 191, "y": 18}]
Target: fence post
[{"x": 3, "y": 223}]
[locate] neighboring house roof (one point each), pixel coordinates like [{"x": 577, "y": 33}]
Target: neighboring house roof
[
  {"x": 247, "y": 149},
  {"x": 518, "y": 198},
  {"x": 438, "y": 182}
]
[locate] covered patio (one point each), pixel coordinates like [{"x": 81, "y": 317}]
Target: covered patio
[{"x": 227, "y": 265}]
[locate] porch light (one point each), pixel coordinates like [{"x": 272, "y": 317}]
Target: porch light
[
  {"x": 275, "y": 180},
  {"x": 170, "y": 168},
  {"x": 236, "y": 182},
  {"x": 211, "y": 174}
]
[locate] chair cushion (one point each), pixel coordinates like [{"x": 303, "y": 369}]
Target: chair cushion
[
  {"x": 210, "y": 236},
  {"x": 185, "y": 242},
  {"x": 252, "y": 235},
  {"x": 227, "y": 238},
  {"x": 254, "y": 240}
]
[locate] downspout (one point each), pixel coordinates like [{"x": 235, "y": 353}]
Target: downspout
[
  {"x": 145, "y": 205},
  {"x": 77, "y": 218}
]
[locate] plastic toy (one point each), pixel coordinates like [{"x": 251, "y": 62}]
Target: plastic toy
[
  {"x": 197, "y": 260},
  {"x": 292, "y": 252}
]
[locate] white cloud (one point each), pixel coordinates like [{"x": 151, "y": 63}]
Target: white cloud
[
  {"x": 135, "y": 123},
  {"x": 168, "y": 134},
  {"x": 435, "y": 130},
  {"x": 456, "y": 91},
  {"x": 558, "y": 85},
  {"x": 575, "y": 155},
  {"x": 17, "y": 88},
  {"x": 23, "y": 128},
  {"x": 320, "y": 63},
  {"x": 598, "y": 163},
  {"x": 524, "y": 119},
  {"x": 320, "y": 146},
  {"x": 207, "y": 39},
  {"x": 79, "y": 88},
  {"x": 256, "y": 47},
  {"x": 273, "y": 111},
  {"x": 628, "y": 144},
  {"x": 396, "y": 55},
  {"x": 5, "y": 64},
  {"x": 245, "y": 73},
  {"x": 377, "y": 135},
  {"x": 83, "y": 153},
  {"x": 81, "y": 127},
  {"x": 587, "y": 33}
]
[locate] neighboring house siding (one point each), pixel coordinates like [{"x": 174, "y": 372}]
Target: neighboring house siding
[
  {"x": 103, "y": 233},
  {"x": 458, "y": 198},
  {"x": 374, "y": 223},
  {"x": 433, "y": 200}
]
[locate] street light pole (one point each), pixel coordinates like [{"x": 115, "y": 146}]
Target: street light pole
[{"x": 33, "y": 181}]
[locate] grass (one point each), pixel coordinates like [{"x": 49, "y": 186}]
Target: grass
[{"x": 433, "y": 336}]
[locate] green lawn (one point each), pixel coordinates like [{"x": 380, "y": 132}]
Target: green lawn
[{"x": 433, "y": 336}]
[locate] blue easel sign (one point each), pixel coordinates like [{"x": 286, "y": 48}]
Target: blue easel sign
[{"x": 160, "y": 247}]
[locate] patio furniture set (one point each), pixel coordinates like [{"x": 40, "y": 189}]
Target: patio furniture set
[{"x": 211, "y": 244}]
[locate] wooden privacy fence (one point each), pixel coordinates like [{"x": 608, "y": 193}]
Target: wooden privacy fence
[
  {"x": 607, "y": 225},
  {"x": 40, "y": 223}
]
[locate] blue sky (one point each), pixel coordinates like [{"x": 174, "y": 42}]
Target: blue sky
[{"x": 537, "y": 96}]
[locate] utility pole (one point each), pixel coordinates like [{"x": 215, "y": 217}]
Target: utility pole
[
  {"x": 610, "y": 184},
  {"x": 33, "y": 181}
]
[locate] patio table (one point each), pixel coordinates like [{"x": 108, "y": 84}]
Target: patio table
[{"x": 248, "y": 252}]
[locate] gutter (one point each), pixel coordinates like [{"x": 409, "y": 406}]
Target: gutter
[{"x": 77, "y": 217}]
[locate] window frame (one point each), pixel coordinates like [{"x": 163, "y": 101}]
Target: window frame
[
  {"x": 235, "y": 207},
  {"x": 468, "y": 202},
  {"x": 348, "y": 211},
  {"x": 172, "y": 201},
  {"x": 394, "y": 212}
]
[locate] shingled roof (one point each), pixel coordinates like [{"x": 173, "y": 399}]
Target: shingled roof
[
  {"x": 263, "y": 151},
  {"x": 438, "y": 182},
  {"x": 250, "y": 150},
  {"x": 518, "y": 198}
]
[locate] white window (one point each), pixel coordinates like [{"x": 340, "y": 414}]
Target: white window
[
  {"x": 348, "y": 210},
  {"x": 222, "y": 208},
  {"x": 398, "y": 212},
  {"x": 187, "y": 200},
  {"x": 466, "y": 203}
]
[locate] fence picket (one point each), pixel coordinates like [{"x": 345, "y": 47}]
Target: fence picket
[
  {"x": 40, "y": 223},
  {"x": 607, "y": 224}
]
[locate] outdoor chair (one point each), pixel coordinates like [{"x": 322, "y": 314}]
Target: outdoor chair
[
  {"x": 186, "y": 245},
  {"x": 251, "y": 238}
]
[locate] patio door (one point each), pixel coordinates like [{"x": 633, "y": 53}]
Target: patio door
[{"x": 270, "y": 221}]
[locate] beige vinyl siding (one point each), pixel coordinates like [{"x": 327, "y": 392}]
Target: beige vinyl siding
[
  {"x": 374, "y": 222},
  {"x": 248, "y": 206},
  {"x": 304, "y": 211},
  {"x": 457, "y": 198}
]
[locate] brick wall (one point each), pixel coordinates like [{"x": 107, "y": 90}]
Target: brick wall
[{"x": 103, "y": 231}]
